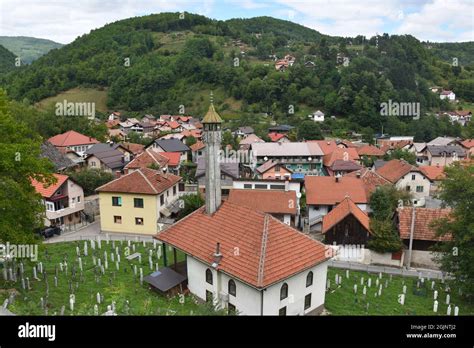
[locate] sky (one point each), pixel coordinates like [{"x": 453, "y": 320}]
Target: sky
[{"x": 428, "y": 20}]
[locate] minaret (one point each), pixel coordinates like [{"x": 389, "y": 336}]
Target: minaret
[{"x": 212, "y": 138}]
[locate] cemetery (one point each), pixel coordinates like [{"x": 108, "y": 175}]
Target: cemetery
[
  {"x": 96, "y": 277},
  {"x": 362, "y": 293}
]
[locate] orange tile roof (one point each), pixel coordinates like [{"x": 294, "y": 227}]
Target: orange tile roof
[
  {"x": 197, "y": 146},
  {"x": 424, "y": 218},
  {"x": 370, "y": 178},
  {"x": 143, "y": 180},
  {"x": 134, "y": 148},
  {"x": 369, "y": 150},
  {"x": 327, "y": 146},
  {"x": 267, "y": 201},
  {"x": 256, "y": 248},
  {"x": 48, "y": 191},
  {"x": 173, "y": 157},
  {"x": 72, "y": 138},
  {"x": 147, "y": 158},
  {"x": 468, "y": 143},
  {"x": 349, "y": 154},
  {"x": 325, "y": 190},
  {"x": 173, "y": 124},
  {"x": 393, "y": 170},
  {"x": 433, "y": 172},
  {"x": 276, "y": 136},
  {"x": 340, "y": 212}
]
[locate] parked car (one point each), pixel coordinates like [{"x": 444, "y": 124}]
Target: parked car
[{"x": 50, "y": 231}]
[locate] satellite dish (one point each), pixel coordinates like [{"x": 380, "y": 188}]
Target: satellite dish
[
  {"x": 298, "y": 194},
  {"x": 265, "y": 158}
]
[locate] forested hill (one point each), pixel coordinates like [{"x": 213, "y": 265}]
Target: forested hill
[
  {"x": 28, "y": 48},
  {"x": 7, "y": 60},
  {"x": 159, "y": 62}
]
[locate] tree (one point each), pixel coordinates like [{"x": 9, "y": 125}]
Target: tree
[
  {"x": 457, "y": 255},
  {"x": 384, "y": 237},
  {"x": 401, "y": 154},
  {"x": 90, "y": 179},
  {"x": 21, "y": 209},
  {"x": 190, "y": 141},
  {"x": 385, "y": 199},
  {"x": 309, "y": 130},
  {"x": 190, "y": 204}
]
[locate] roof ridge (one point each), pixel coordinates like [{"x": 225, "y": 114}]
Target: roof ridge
[
  {"x": 263, "y": 249},
  {"x": 120, "y": 177},
  {"x": 148, "y": 181}
]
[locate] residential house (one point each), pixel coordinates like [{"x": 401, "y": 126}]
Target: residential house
[
  {"x": 138, "y": 201},
  {"x": 448, "y": 95},
  {"x": 419, "y": 150},
  {"x": 371, "y": 179},
  {"x": 73, "y": 141},
  {"x": 346, "y": 224},
  {"x": 116, "y": 133},
  {"x": 436, "y": 174},
  {"x": 326, "y": 146},
  {"x": 317, "y": 116},
  {"x": 302, "y": 157},
  {"x": 171, "y": 145},
  {"x": 282, "y": 205},
  {"x": 278, "y": 137},
  {"x": 148, "y": 159},
  {"x": 243, "y": 131},
  {"x": 369, "y": 151},
  {"x": 245, "y": 143},
  {"x": 60, "y": 161},
  {"x": 442, "y": 141},
  {"x": 229, "y": 172},
  {"x": 106, "y": 157},
  {"x": 444, "y": 155},
  {"x": 392, "y": 142},
  {"x": 135, "y": 149},
  {"x": 174, "y": 161},
  {"x": 273, "y": 170},
  {"x": 63, "y": 200},
  {"x": 197, "y": 150},
  {"x": 468, "y": 145},
  {"x": 284, "y": 128},
  {"x": 407, "y": 177},
  {"x": 324, "y": 193},
  {"x": 341, "y": 161}
]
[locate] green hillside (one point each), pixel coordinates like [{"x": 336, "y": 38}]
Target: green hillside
[
  {"x": 7, "y": 60},
  {"x": 158, "y": 63},
  {"x": 28, "y": 48}
]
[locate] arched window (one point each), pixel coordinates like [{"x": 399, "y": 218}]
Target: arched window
[
  {"x": 309, "y": 279},
  {"x": 284, "y": 291},
  {"x": 208, "y": 276},
  {"x": 232, "y": 288}
]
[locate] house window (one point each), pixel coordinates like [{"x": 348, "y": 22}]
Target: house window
[
  {"x": 419, "y": 189},
  {"x": 92, "y": 164},
  {"x": 117, "y": 201},
  {"x": 408, "y": 188},
  {"x": 138, "y": 221},
  {"x": 309, "y": 279},
  {"x": 277, "y": 169},
  {"x": 231, "y": 309},
  {"x": 232, "y": 288},
  {"x": 174, "y": 190},
  {"x": 73, "y": 200},
  {"x": 138, "y": 202},
  {"x": 261, "y": 186},
  {"x": 208, "y": 276},
  {"x": 117, "y": 219},
  {"x": 282, "y": 312},
  {"x": 307, "y": 301},
  {"x": 181, "y": 187},
  {"x": 49, "y": 206},
  {"x": 247, "y": 186},
  {"x": 208, "y": 296},
  {"x": 413, "y": 176},
  {"x": 284, "y": 291},
  {"x": 78, "y": 199},
  {"x": 277, "y": 187},
  {"x": 162, "y": 199}
]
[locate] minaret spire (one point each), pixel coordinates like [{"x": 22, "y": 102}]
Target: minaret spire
[{"x": 212, "y": 138}]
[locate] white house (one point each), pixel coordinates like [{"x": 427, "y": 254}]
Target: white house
[
  {"x": 317, "y": 116},
  {"x": 447, "y": 95}
]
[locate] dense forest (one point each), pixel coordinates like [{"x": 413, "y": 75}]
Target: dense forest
[
  {"x": 28, "y": 48},
  {"x": 158, "y": 63},
  {"x": 7, "y": 60}
]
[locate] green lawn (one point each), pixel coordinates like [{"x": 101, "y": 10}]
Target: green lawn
[
  {"x": 342, "y": 300},
  {"x": 118, "y": 286},
  {"x": 80, "y": 95}
]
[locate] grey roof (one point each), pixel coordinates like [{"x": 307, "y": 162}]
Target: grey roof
[
  {"x": 101, "y": 148},
  {"x": 165, "y": 279},
  {"x": 59, "y": 160},
  {"x": 281, "y": 128},
  {"x": 172, "y": 145},
  {"x": 419, "y": 146},
  {"x": 379, "y": 164},
  {"x": 449, "y": 150},
  {"x": 441, "y": 141},
  {"x": 287, "y": 149},
  {"x": 345, "y": 165},
  {"x": 108, "y": 155},
  {"x": 229, "y": 168},
  {"x": 246, "y": 130}
]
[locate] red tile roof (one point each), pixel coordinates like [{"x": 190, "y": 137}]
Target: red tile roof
[
  {"x": 48, "y": 191},
  {"x": 325, "y": 190},
  {"x": 340, "y": 212},
  {"x": 72, "y": 138},
  {"x": 423, "y": 228},
  {"x": 349, "y": 154},
  {"x": 370, "y": 178},
  {"x": 134, "y": 148},
  {"x": 395, "y": 169},
  {"x": 173, "y": 157},
  {"x": 256, "y": 248},
  {"x": 433, "y": 172},
  {"x": 144, "y": 180},
  {"x": 173, "y": 124},
  {"x": 468, "y": 143},
  {"x": 267, "y": 201},
  {"x": 327, "y": 146},
  {"x": 276, "y": 136},
  {"x": 369, "y": 150},
  {"x": 147, "y": 158},
  {"x": 197, "y": 146}
]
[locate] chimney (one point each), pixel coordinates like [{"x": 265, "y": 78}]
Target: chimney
[
  {"x": 358, "y": 174},
  {"x": 287, "y": 185},
  {"x": 337, "y": 176},
  {"x": 217, "y": 255}
]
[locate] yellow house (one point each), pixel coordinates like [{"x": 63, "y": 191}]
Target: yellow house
[{"x": 135, "y": 202}]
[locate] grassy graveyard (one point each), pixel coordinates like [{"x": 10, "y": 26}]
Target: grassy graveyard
[
  {"x": 343, "y": 300},
  {"x": 122, "y": 287}
]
